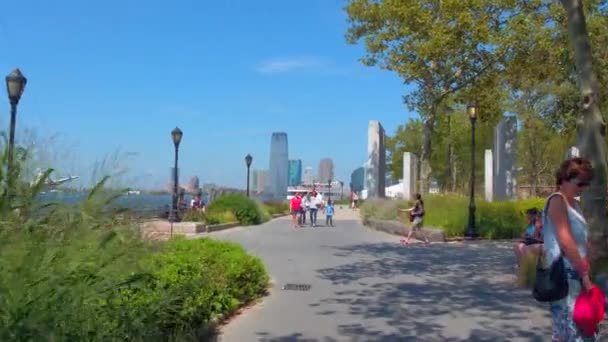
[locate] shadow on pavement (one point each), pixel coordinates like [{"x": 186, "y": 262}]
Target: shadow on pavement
[{"x": 430, "y": 294}]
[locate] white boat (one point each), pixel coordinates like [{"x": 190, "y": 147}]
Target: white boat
[
  {"x": 133, "y": 192},
  {"x": 321, "y": 188}
]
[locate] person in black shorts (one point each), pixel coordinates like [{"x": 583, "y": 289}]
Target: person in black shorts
[{"x": 531, "y": 240}]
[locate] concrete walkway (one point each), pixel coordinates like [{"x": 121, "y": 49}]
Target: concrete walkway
[{"x": 365, "y": 286}]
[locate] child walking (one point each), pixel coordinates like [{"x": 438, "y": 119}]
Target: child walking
[
  {"x": 329, "y": 213},
  {"x": 416, "y": 215}
]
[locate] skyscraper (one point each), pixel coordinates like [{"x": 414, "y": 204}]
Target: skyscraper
[
  {"x": 261, "y": 180},
  {"x": 326, "y": 170},
  {"x": 357, "y": 179},
  {"x": 295, "y": 172},
  {"x": 308, "y": 177},
  {"x": 279, "y": 169}
]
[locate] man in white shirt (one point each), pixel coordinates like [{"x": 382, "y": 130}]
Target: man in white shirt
[{"x": 313, "y": 207}]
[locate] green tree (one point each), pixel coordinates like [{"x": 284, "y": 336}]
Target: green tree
[
  {"x": 407, "y": 138},
  {"x": 591, "y": 126},
  {"x": 440, "y": 46}
]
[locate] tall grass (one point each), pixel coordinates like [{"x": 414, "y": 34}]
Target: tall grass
[
  {"x": 81, "y": 272},
  {"x": 495, "y": 220}
]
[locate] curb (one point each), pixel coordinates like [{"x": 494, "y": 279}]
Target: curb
[
  {"x": 217, "y": 227},
  {"x": 399, "y": 229}
]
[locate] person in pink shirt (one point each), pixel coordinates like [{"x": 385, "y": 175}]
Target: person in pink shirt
[{"x": 295, "y": 204}]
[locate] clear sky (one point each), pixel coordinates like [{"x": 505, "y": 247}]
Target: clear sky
[{"x": 121, "y": 74}]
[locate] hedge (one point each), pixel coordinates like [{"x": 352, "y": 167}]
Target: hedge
[
  {"x": 246, "y": 210},
  {"x": 91, "y": 285},
  {"x": 494, "y": 220}
]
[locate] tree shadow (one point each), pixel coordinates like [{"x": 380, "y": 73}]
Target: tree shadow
[{"x": 449, "y": 292}]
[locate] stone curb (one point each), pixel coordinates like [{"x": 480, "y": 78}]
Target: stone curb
[
  {"x": 279, "y": 215},
  {"x": 398, "y": 228},
  {"x": 217, "y": 227}
]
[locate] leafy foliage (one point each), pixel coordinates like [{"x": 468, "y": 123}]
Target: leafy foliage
[
  {"x": 82, "y": 273},
  {"x": 245, "y": 209},
  {"x": 494, "y": 220}
]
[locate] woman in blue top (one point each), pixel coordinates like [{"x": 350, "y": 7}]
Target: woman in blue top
[
  {"x": 565, "y": 234},
  {"x": 531, "y": 240}
]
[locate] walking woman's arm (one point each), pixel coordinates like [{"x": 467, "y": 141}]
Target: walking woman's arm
[{"x": 558, "y": 210}]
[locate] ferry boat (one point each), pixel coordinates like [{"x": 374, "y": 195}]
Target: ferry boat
[{"x": 335, "y": 191}]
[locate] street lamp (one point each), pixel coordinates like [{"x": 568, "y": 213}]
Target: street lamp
[
  {"x": 176, "y": 136},
  {"x": 471, "y": 232},
  {"x": 248, "y": 160},
  {"x": 341, "y": 190},
  {"x": 15, "y": 84},
  {"x": 329, "y": 190}
]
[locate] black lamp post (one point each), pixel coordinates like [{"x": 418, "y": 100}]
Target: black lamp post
[
  {"x": 471, "y": 232},
  {"x": 176, "y": 135},
  {"x": 248, "y": 160},
  {"x": 329, "y": 190},
  {"x": 341, "y": 190},
  {"x": 15, "y": 84}
]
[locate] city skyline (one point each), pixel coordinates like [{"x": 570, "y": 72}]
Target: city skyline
[{"x": 227, "y": 103}]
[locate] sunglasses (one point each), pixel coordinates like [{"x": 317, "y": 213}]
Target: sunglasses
[{"x": 579, "y": 183}]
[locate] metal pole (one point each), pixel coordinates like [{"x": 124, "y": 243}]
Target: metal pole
[
  {"x": 174, "y": 211},
  {"x": 471, "y": 231},
  {"x": 247, "y": 180},
  {"x": 11, "y": 149}
]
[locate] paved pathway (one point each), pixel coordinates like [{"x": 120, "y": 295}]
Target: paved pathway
[{"x": 366, "y": 287}]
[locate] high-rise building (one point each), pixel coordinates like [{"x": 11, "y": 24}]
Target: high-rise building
[
  {"x": 278, "y": 171},
  {"x": 295, "y": 172},
  {"x": 308, "y": 176},
  {"x": 326, "y": 170},
  {"x": 357, "y": 179},
  {"x": 254, "y": 179},
  {"x": 261, "y": 180}
]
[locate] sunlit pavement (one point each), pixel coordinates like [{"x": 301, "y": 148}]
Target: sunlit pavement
[{"x": 365, "y": 286}]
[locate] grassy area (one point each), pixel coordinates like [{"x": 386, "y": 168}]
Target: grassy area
[
  {"x": 236, "y": 207},
  {"x": 82, "y": 273},
  {"x": 495, "y": 220}
]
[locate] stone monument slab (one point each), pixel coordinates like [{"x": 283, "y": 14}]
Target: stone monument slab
[
  {"x": 410, "y": 175},
  {"x": 375, "y": 175},
  {"x": 505, "y": 170},
  {"x": 489, "y": 176}
]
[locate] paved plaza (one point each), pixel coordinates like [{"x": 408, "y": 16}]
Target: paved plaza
[{"x": 365, "y": 286}]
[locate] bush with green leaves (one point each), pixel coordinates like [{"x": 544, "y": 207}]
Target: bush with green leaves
[
  {"x": 276, "y": 208},
  {"x": 245, "y": 209},
  {"x": 82, "y": 272},
  {"x": 494, "y": 220}
]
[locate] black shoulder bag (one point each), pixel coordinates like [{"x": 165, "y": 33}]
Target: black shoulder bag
[{"x": 551, "y": 283}]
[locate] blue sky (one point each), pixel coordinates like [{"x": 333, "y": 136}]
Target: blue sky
[{"x": 111, "y": 75}]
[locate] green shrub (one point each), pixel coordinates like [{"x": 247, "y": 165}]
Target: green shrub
[
  {"x": 263, "y": 212},
  {"x": 245, "y": 209},
  {"x": 494, "y": 220},
  {"x": 82, "y": 273},
  {"x": 194, "y": 216},
  {"x": 220, "y": 217},
  {"x": 192, "y": 283},
  {"x": 274, "y": 208}
]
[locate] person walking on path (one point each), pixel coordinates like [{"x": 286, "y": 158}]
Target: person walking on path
[
  {"x": 329, "y": 213},
  {"x": 296, "y": 202},
  {"x": 354, "y": 200},
  {"x": 304, "y": 208},
  {"x": 565, "y": 233},
  {"x": 416, "y": 214},
  {"x": 314, "y": 208}
]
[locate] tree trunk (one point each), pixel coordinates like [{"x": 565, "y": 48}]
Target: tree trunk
[
  {"x": 590, "y": 128},
  {"x": 425, "y": 158}
]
